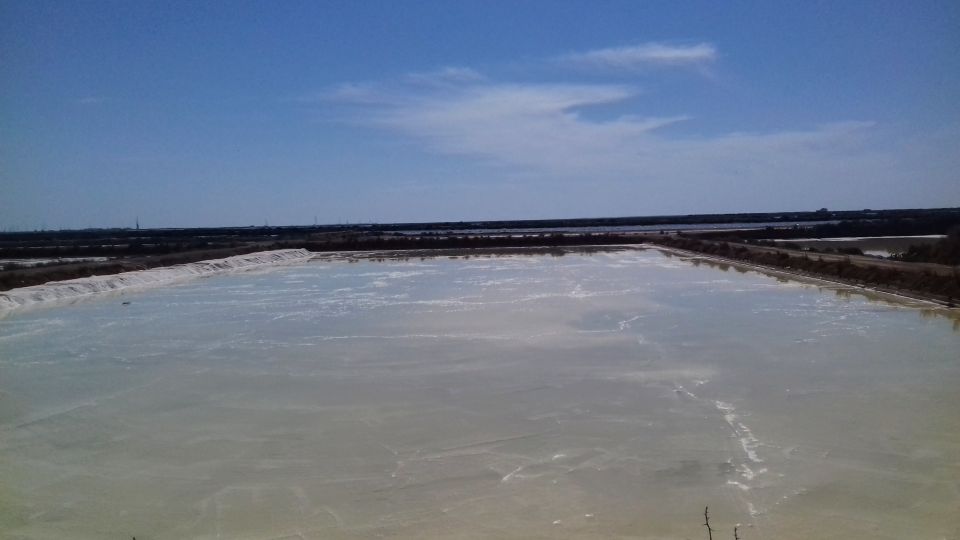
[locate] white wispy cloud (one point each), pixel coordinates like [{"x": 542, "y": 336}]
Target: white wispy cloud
[
  {"x": 90, "y": 100},
  {"x": 642, "y": 56},
  {"x": 347, "y": 93},
  {"x": 392, "y": 92},
  {"x": 541, "y": 131},
  {"x": 536, "y": 126},
  {"x": 559, "y": 142},
  {"x": 542, "y": 127},
  {"x": 446, "y": 75}
]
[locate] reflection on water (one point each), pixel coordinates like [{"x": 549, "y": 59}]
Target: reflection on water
[{"x": 600, "y": 394}]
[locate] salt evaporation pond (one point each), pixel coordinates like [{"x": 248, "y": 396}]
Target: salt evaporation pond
[{"x": 595, "y": 395}]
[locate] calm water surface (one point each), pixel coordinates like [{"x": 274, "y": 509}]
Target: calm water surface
[{"x": 603, "y": 395}]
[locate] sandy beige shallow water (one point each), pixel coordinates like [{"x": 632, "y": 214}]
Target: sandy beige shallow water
[{"x": 587, "y": 396}]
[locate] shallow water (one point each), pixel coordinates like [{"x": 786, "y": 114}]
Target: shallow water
[{"x": 597, "y": 395}]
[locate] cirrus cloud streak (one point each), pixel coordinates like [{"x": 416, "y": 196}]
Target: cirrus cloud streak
[
  {"x": 636, "y": 57},
  {"x": 549, "y": 136}
]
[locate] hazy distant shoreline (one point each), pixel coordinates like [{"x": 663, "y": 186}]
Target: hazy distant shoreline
[
  {"x": 123, "y": 280},
  {"x": 809, "y": 249},
  {"x": 873, "y": 291}
]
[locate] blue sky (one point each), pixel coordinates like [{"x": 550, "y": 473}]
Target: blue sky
[{"x": 237, "y": 113}]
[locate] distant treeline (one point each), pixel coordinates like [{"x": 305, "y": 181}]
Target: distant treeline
[
  {"x": 946, "y": 288},
  {"x": 374, "y": 242},
  {"x": 665, "y": 220},
  {"x": 132, "y": 249},
  {"x": 258, "y": 233},
  {"x": 141, "y": 242},
  {"x": 914, "y": 226}
]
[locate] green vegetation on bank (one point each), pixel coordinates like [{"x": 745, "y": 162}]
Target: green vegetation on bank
[
  {"x": 942, "y": 287},
  {"x": 946, "y": 251}
]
